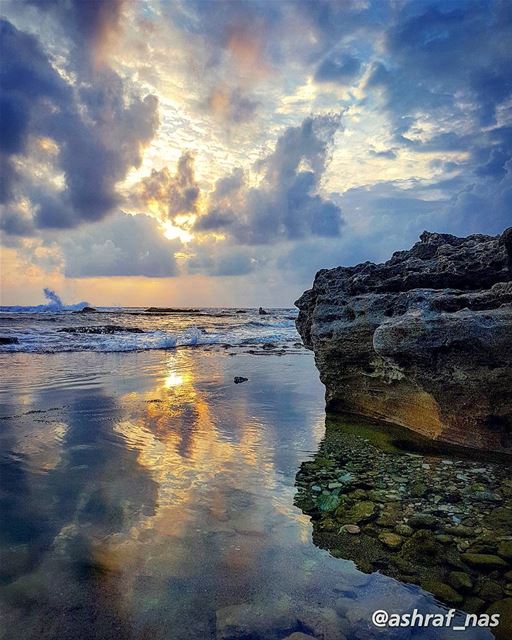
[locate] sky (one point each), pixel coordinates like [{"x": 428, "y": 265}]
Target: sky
[{"x": 219, "y": 153}]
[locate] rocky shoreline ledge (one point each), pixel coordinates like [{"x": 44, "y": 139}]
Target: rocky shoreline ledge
[
  {"x": 443, "y": 523},
  {"x": 423, "y": 340}
]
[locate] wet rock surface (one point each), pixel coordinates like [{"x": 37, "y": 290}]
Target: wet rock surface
[
  {"x": 443, "y": 523},
  {"x": 423, "y": 340},
  {"x": 107, "y": 329},
  {"x": 86, "y": 310}
]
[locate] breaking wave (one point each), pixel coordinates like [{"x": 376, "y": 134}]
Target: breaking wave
[
  {"x": 43, "y": 329},
  {"x": 54, "y": 305}
]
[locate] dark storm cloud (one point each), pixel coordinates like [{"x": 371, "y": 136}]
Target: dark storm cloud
[
  {"x": 285, "y": 205},
  {"x": 491, "y": 160},
  {"x": 15, "y": 222},
  {"x": 99, "y": 125},
  {"x": 26, "y": 79},
  {"x": 121, "y": 245}
]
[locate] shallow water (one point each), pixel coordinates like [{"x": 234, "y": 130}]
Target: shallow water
[{"x": 145, "y": 495}]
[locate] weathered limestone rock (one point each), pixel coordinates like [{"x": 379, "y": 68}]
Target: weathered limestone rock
[{"x": 423, "y": 340}]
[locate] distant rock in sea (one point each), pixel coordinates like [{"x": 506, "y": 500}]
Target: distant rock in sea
[
  {"x": 86, "y": 310},
  {"x": 107, "y": 329},
  {"x": 423, "y": 340},
  {"x": 262, "y": 311},
  {"x": 8, "y": 340},
  {"x": 170, "y": 310}
]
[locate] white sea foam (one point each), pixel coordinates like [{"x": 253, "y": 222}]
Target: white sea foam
[{"x": 128, "y": 331}]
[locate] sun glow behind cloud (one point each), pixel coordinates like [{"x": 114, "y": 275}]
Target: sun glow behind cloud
[{"x": 171, "y": 231}]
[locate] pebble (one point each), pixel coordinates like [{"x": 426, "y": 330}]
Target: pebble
[
  {"x": 441, "y": 523},
  {"x": 351, "y": 528}
]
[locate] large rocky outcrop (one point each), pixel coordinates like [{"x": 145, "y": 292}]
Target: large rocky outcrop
[{"x": 423, "y": 340}]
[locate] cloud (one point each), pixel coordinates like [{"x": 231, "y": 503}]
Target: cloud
[
  {"x": 286, "y": 204},
  {"x": 167, "y": 194},
  {"x": 390, "y": 154},
  {"x": 14, "y": 221},
  {"x": 446, "y": 60},
  {"x": 341, "y": 69},
  {"x": 223, "y": 260},
  {"x": 241, "y": 54},
  {"x": 98, "y": 129},
  {"x": 425, "y": 89},
  {"x": 89, "y": 24},
  {"x": 215, "y": 220},
  {"x": 122, "y": 245},
  {"x": 232, "y": 105}
]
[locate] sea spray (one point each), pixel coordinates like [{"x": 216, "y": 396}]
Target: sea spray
[{"x": 54, "y": 305}]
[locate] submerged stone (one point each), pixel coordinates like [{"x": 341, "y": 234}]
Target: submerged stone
[
  {"x": 422, "y": 521},
  {"x": 490, "y": 590},
  {"x": 460, "y": 581},
  {"x": 473, "y": 604},
  {"x": 484, "y": 560},
  {"x": 442, "y": 591},
  {"x": 328, "y": 502},
  {"x": 391, "y": 540},
  {"x": 500, "y": 517},
  {"x": 505, "y": 549},
  {"x": 351, "y": 528},
  {"x": 404, "y": 530},
  {"x": 460, "y": 531},
  {"x": 360, "y": 512},
  {"x": 451, "y": 543},
  {"x": 504, "y": 608}
]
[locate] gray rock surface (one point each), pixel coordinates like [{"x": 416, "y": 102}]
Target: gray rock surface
[{"x": 423, "y": 340}]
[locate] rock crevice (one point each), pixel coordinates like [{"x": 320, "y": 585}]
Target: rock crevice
[{"x": 423, "y": 340}]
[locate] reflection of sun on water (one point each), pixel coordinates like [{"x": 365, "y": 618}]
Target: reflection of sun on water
[
  {"x": 210, "y": 482},
  {"x": 173, "y": 379}
]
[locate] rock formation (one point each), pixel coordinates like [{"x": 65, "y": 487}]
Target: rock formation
[{"x": 423, "y": 340}]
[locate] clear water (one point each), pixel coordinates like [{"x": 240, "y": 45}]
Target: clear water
[{"x": 145, "y": 495}]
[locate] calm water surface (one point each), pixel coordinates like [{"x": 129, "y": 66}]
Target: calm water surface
[{"x": 144, "y": 495}]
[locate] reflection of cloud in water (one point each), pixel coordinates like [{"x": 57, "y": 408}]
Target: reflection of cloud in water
[{"x": 169, "y": 506}]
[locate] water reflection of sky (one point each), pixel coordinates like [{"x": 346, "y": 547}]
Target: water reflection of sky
[{"x": 147, "y": 496}]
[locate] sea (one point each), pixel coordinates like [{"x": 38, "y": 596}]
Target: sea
[
  {"x": 54, "y": 328},
  {"x": 148, "y": 480}
]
